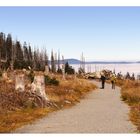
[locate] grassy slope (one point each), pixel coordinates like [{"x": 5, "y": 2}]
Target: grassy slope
[
  {"x": 131, "y": 94},
  {"x": 71, "y": 90}
]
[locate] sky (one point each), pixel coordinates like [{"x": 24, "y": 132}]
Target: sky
[{"x": 101, "y": 33}]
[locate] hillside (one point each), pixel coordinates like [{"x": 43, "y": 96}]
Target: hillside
[{"x": 76, "y": 61}]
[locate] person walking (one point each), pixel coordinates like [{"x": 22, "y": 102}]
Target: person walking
[
  {"x": 103, "y": 80},
  {"x": 113, "y": 81}
]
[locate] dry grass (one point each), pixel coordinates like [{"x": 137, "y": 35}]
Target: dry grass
[
  {"x": 68, "y": 93},
  {"x": 13, "y": 120},
  {"x": 131, "y": 94},
  {"x": 70, "y": 90},
  {"x": 131, "y": 91},
  {"x": 135, "y": 115}
]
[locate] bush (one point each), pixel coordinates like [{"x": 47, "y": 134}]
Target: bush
[{"x": 49, "y": 81}]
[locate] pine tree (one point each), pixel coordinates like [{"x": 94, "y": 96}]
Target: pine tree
[
  {"x": 69, "y": 69},
  {"x": 13, "y": 56},
  {"x": 19, "y": 61},
  {"x": 52, "y": 63},
  {"x": 30, "y": 57},
  {"x": 1, "y": 45},
  {"x": 25, "y": 55},
  {"x": 59, "y": 70},
  {"x": 9, "y": 49},
  {"x": 41, "y": 62},
  {"x": 36, "y": 60}
]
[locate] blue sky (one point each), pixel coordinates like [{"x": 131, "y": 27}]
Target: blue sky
[{"x": 101, "y": 33}]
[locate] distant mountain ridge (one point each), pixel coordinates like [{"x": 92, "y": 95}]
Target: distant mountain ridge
[
  {"x": 72, "y": 61},
  {"x": 76, "y": 61}
]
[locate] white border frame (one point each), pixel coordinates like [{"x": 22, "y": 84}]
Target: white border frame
[{"x": 69, "y": 2}]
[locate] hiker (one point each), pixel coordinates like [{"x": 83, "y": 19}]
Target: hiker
[
  {"x": 113, "y": 81},
  {"x": 103, "y": 80}
]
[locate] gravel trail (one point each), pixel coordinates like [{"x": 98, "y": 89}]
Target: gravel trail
[{"x": 102, "y": 111}]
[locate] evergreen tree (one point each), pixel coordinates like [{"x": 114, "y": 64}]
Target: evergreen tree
[
  {"x": 69, "y": 69},
  {"x": 36, "y": 60},
  {"x": 46, "y": 58},
  {"x": 9, "y": 49},
  {"x": 41, "y": 62},
  {"x": 3, "y": 46},
  {"x": 52, "y": 63},
  {"x": 25, "y": 55},
  {"x": 25, "y": 52},
  {"x": 59, "y": 70},
  {"x": 19, "y": 61},
  {"x": 30, "y": 56}
]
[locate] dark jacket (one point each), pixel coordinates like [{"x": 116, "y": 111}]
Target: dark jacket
[{"x": 103, "y": 78}]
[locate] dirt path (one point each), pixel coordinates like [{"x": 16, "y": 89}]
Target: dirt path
[{"x": 102, "y": 111}]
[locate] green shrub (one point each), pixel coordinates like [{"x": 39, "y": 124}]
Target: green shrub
[
  {"x": 54, "y": 81},
  {"x": 49, "y": 81}
]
